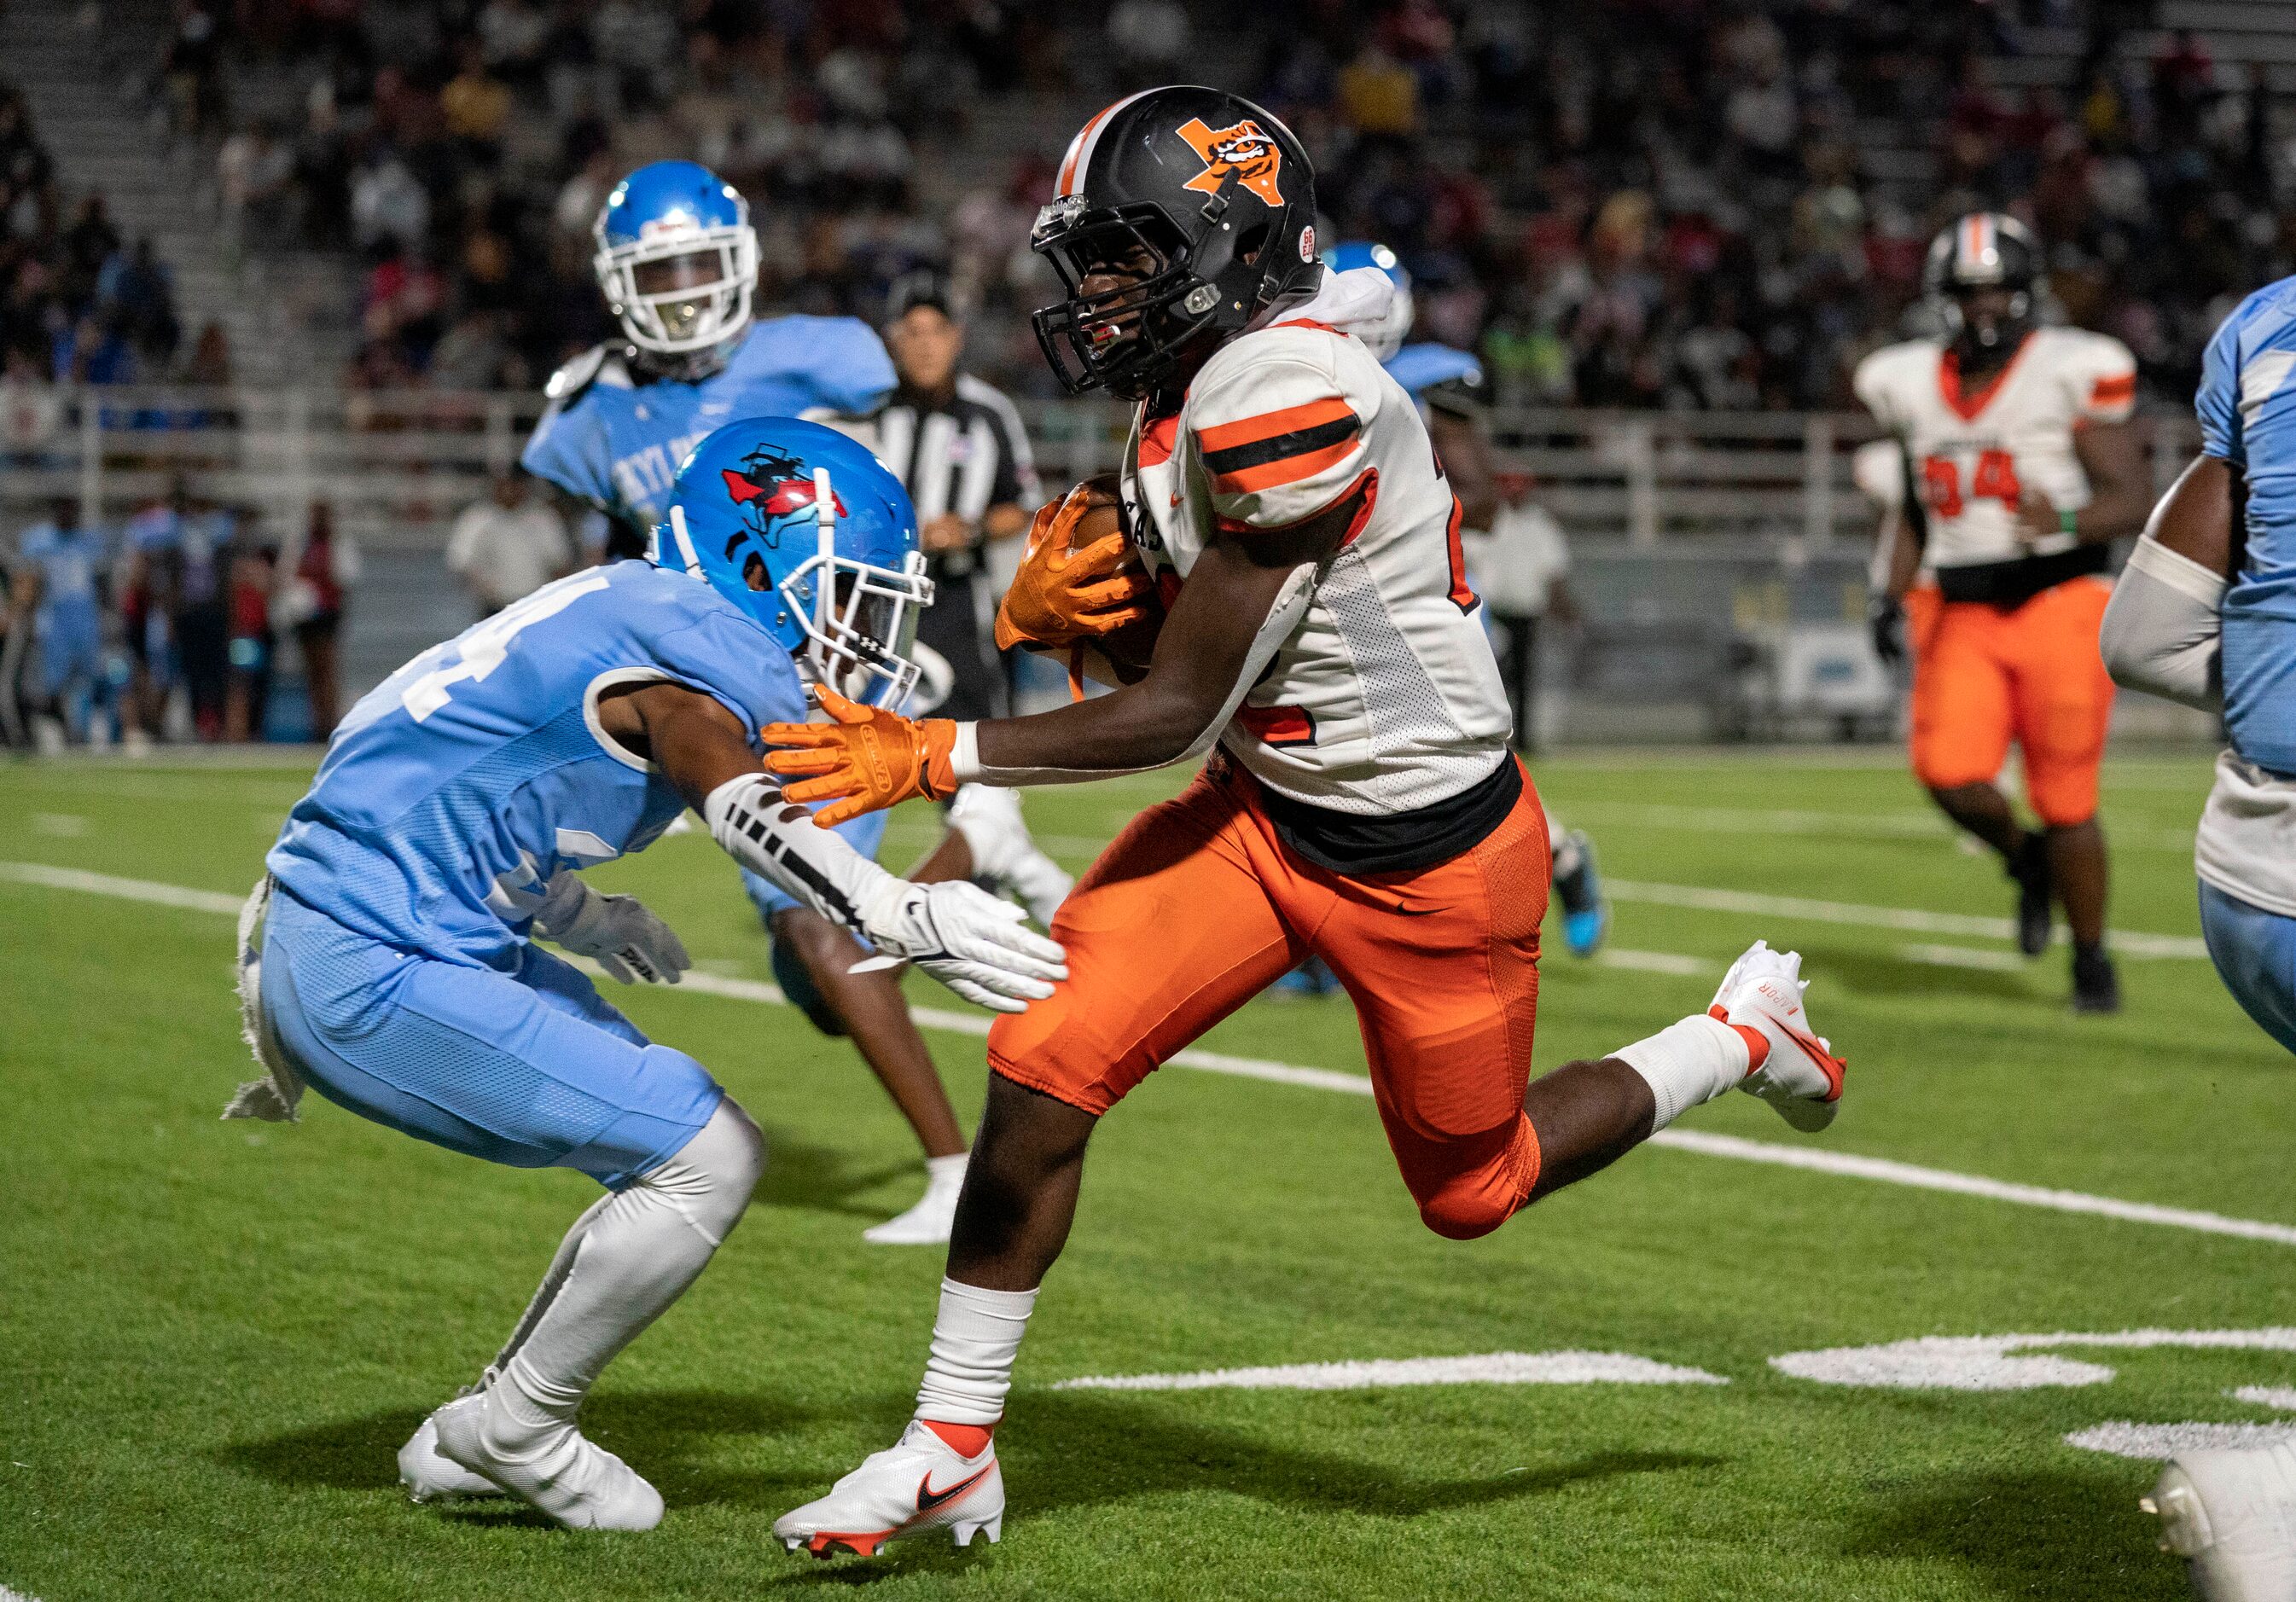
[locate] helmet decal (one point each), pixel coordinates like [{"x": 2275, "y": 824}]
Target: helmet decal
[
  {"x": 1244, "y": 149},
  {"x": 768, "y": 487}
]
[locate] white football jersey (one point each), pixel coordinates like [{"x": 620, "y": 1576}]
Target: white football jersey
[
  {"x": 1977, "y": 451},
  {"x": 1385, "y": 696}
]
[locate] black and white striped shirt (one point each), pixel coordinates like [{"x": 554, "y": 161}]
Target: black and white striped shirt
[{"x": 963, "y": 454}]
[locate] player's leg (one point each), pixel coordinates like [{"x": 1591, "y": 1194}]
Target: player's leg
[
  {"x": 813, "y": 962},
  {"x": 2063, "y": 715},
  {"x": 533, "y": 1069},
  {"x": 1167, "y": 932},
  {"x": 1963, "y": 715},
  {"x": 1443, "y": 968},
  {"x": 1579, "y": 887}
]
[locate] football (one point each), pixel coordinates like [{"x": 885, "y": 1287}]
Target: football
[{"x": 1124, "y": 653}]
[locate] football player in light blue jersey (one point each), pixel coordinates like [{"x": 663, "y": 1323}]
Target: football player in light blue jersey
[
  {"x": 678, "y": 262},
  {"x": 1444, "y": 381},
  {"x": 2205, "y": 613},
  {"x": 61, "y": 565},
  {"x": 396, "y": 971}
]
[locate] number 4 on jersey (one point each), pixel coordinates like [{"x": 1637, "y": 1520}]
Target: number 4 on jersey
[{"x": 1995, "y": 480}]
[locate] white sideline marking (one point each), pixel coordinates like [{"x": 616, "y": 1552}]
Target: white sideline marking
[
  {"x": 1990, "y": 1362},
  {"x": 2161, "y": 1441},
  {"x": 1966, "y": 956},
  {"x": 1845, "y": 1164},
  {"x": 126, "y": 889},
  {"x": 1702, "y": 899},
  {"x": 2283, "y": 1397},
  {"x": 1852, "y": 1166},
  {"x": 9, "y": 1595},
  {"x": 1654, "y": 962},
  {"x": 1494, "y": 1369}
]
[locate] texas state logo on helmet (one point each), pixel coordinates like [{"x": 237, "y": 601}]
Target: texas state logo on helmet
[
  {"x": 678, "y": 260},
  {"x": 799, "y": 527},
  {"x": 1188, "y": 209}
]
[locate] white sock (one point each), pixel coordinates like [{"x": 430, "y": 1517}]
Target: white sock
[
  {"x": 1687, "y": 1063},
  {"x": 623, "y": 1263},
  {"x": 976, "y": 1337},
  {"x": 945, "y": 1172}
]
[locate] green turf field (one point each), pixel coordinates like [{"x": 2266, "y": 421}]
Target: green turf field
[{"x": 213, "y": 1336}]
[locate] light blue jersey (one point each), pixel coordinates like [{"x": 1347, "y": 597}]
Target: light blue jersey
[
  {"x": 67, "y": 622},
  {"x": 459, "y": 785},
  {"x": 616, "y": 442},
  {"x": 2247, "y": 408}
]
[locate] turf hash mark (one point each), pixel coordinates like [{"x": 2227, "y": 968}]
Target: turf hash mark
[{"x": 1490, "y": 1368}]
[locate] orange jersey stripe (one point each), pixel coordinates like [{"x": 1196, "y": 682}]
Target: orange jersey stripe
[
  {"x": 1290, "y": 469},
  {"x": 2109, "y": 391},
  {"x": 1314, "y": 414}
]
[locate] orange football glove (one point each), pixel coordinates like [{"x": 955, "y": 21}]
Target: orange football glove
[
  {"x": 867, "y": 760},
  {"x": 1061, "y": 595}
]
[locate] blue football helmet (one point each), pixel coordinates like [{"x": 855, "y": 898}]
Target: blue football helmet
[
  {"x": 1386, "y": 336},
  {"x": 677, "y": 261},
  {"x": 801, "y": 528}
]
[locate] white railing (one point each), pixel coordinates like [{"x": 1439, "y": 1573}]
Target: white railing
[{"x": 398, "y": 465}]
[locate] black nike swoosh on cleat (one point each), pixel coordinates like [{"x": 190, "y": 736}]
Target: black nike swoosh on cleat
[{"x": 928, "y": 1499}]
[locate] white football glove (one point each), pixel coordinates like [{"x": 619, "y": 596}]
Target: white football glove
[
  {"x": 977, "y": 944},
  {"x": 628, "y": 941}
]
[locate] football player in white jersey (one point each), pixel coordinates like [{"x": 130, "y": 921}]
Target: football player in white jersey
[
  {"x": 1302, "y": 545},
  {"x": 2023, "y": 469}
]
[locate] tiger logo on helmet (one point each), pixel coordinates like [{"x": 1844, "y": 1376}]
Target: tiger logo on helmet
[{"x": 1244, "y": 149}]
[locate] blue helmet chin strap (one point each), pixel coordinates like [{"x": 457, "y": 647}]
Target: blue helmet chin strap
[{"x": 825, "y": 587}]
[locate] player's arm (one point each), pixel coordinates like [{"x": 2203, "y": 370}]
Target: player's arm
[
  {"x": 976, "y": 944},
  {"x": 2162, "y": 629}
]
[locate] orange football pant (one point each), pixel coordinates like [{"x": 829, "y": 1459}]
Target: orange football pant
[
  {"x": 1983, "y": 676},
  {"x": 1197, "y": 907}
]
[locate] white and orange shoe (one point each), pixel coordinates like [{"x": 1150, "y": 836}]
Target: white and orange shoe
[
  {"x": 920, "y": 1483},
  {"x": 1800, "y": 1075}
]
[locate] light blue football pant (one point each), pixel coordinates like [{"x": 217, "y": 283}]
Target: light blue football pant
[
  {"x": 2255, "y": 953},
  {"x": 534, "y": 1068}
]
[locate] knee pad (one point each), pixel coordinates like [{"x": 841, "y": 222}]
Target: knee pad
[
  {"x": 708, "y": 1184},
  {"x": 1481, "y": 1185}
]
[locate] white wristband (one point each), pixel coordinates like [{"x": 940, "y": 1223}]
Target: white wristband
[{"x": 964, "y": 756}]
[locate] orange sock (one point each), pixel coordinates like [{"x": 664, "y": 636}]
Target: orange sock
[{"x": 965, "y": 1439}]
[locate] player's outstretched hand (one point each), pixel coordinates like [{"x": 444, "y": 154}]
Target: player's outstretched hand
[
  {"x": 624, "y": 938},
  {"x": 1079, "y": 579},
  {"x": 979, "y": 946},
  {"x": 867, "y": 760}
]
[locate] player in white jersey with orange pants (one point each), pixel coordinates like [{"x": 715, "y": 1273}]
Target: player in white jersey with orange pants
[
  {"x": 2024, "y": 468},
  {"x": 1301, "y": 545}
]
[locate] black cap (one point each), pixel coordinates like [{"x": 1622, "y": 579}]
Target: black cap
[{"x": 920, "y": 286}]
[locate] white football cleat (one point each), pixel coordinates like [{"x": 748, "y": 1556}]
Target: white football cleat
[
  {"x": 572, "y": 1479},
  {"x": 1800, "y": 1077},
  {"x": 1003, "y": 854},
  {"x": 918, "y": 1484},
  {"x": 2232, "y": 1516},
  {"x": 927, "y": 1223},
  {"x": 432, "y": 1476}
]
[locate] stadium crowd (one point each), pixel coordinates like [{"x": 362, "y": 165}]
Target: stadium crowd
[{"x": 1655, "y": 204}]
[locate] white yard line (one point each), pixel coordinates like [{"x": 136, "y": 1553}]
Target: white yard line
[
  {"x": 1701, "y": 898},
  {"x": 1967, "y": 956},
  {"x": 1815, "y": 1159},
  {"x": 1490, "y": 1368},
  {"x": 1790, "y": 820}
]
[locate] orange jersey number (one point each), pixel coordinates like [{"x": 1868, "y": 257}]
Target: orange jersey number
[{"x": 1995, "y": 480}]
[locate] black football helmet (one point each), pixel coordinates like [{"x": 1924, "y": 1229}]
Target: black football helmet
[
  {"x": 1205, "y": 202},
  {"x": 1984, "y": 250}
]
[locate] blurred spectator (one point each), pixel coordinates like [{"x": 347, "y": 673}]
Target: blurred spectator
[
  {"x": 1521, "y": 569},
  {"x": 321, "y": 568},
  {"x": 508, "y": 546},
  {"x": 209, "y": 364},
  {"x": 137, "y": 293},
  {"x": 255, "y": 185},
  {"x": 247, "y": 694},
  {"x": 1152, "y": 40},
  {"x": 31, "y": 412}
]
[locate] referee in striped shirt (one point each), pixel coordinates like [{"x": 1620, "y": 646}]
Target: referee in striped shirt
[{"x": 957, "y": 445}]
